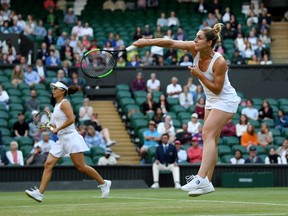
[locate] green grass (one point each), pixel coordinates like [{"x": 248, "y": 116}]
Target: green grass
[{"x": 248, "y": 201}]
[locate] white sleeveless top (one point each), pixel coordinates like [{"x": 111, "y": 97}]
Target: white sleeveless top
[
  {"x": 58, "y": 117},
  {"x": 227, "y": 100}
]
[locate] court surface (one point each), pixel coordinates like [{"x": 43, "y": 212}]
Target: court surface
[{"x": 223, "y": 202}]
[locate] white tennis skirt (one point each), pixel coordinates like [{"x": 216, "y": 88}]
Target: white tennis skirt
[
  {"x": 226, "y": 106},
  {"x": 68, "y": 144}
]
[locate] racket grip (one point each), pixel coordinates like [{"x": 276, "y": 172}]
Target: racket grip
[{"x": 132, "y": 47}]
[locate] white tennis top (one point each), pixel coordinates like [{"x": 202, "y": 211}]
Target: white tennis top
[
  {"x": 59, "y": 117},
  {"x": 228, "y": 93}
]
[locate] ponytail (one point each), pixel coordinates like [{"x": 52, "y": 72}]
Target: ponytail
[
  {"x": 217, "y": 28},
  {"x": 72, "y": 89},
  {"x": 213, "y": 34}
]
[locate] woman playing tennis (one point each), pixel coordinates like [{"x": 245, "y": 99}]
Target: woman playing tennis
[
  {"x": 69, "y": 142},
  {"x": 211, "y": 69}
]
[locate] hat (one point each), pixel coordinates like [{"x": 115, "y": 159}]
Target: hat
[
  {"x": 151, "y": 123},
  {"x": 252, "y": 148},
  {"x": 108, "y": 151},
  {"x": 34, "y": 112},
  {"x": 194, "y": 139},
  {"x": 59, "y": 85},
  {"x": 194, "y": 115},
  {"x": 177, "y": 142}
]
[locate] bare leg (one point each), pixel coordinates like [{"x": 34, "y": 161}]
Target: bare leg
[
  {"x": 47, "y": 173},
  {"x": 106, "y": 134},
  {"x": 214, "y": 123},
  {"x": 79, "y": 163}
]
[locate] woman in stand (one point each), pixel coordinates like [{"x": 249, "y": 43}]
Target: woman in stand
[
  {"x": 221, "y": 99},
  {"x": 70, "y": 142}
]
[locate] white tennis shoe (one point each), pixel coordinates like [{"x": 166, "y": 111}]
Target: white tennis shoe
[
  {"x": 202, "y": 191},
  {"x": 105, "y": 188},
  {"x": 155, "y": 185},
  {"x": 35, "y": 194},
  {"x": 195, "y": 182}
]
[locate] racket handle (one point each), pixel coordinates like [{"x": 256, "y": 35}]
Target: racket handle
[{"x": 132, "y": 47}]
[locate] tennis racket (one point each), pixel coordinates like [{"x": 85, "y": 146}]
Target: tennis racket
[
  {"x": 99, "y": 63},
  {"x": 42, "y": 120}
]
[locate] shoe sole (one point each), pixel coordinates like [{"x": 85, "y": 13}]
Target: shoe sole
[
  {"x": 32, "y": 197},
  {"x": 202, "y": 192}
]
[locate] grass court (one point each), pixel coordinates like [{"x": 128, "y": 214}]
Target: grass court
[{"x": 140, "y": 202}]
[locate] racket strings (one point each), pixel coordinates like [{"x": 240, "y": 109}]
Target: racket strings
[{"x": 98, "y": 63}]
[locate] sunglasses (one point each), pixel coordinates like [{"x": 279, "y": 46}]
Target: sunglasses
[{"x": 56, "y": 88}]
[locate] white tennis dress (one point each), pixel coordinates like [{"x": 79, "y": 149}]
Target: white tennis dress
[
  {"x": 227, "y": 100},
  {"x": 69, "y": 140}
]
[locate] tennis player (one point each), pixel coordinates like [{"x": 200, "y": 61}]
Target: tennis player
[
  {"x": 69, "y": 142},
  {"x": 221, "y": 104}
]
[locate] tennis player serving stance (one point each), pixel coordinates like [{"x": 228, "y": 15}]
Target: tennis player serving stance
[
  {"x": 69, "y": 142},
  {"x": 222, "y": 102}
]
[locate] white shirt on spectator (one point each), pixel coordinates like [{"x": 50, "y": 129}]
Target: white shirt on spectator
[
  {"x": 103, "y": 161},
  {"x": 186, "y": 100},
  {"x": 193, "y": 127},
  {"x": 153, "y": 85},
  {"x": 251, "y": 113},
  {"x": 235, "y": 161},
  {"x": 87, "y": 31},
  {"x": 182, "y": 156},
  {"x": 171, "y": 88},
  {"x": 77, "y": 30},
  {"x": 240, "y": 129}
]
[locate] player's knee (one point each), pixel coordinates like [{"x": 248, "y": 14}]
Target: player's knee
[{"x": 80, "y": 167}]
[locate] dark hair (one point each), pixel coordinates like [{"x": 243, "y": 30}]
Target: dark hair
[
  {"x": 71, "y": 89},
  {"x": 214, "y": 33}
]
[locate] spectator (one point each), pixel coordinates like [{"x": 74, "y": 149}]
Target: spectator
[
  {"x": 284, "y": 159},
  {"x": 162, "y": 21},
  {"x": 195, "y": 152},
  {"x": 220, "y": 48},
  {"x": 238, "y": 158},
  {"x": 52, "y": 60},
  {"x": 138, "y": 83},
  {"x": 61, "y": 5},
  {"x": 201, "y": 7},
  {"x": 166, "y": 159},
  {"x": 173, "y": 20},
  {"x": 229, "y": 129},
  {"x": 252, "y": 19},
  {"x": 119, "y": 42},
  {"x": 36, "y": 158},
  {"x": 239, "y": 43},
  {"x": 33, "y": 131},
  {"x": 138, "y": 33},
  {"x": 273, "y": 157},
  {"x": 85, "y": 111},
  {"x": 153, "y": 84},
  {"x": 75, "y": 80},
  {"x": 94, "y": 139},
  {"x": 200, "y": 108},
  {"x": 253, "y": 158},
  {"x": 281, "y": 121},
  {"x": 43, "y": 52},
  {"x": 252, "y": 39},
  {"x": 149, "y": 106},
  {"x": 167, "y": 127},
  {"x": 40, "y": 30},
  {"x": 183, "y": 135},
  {"x": 173, "y": 90},
  {"x": 226, "y": 16},
  {"x": 254, "y": 60},
  {"x": 250, "y": 111},
  {"x": 234, "y": 23},
  {"x": 5, "y": 28},
  {"x": 170, "y": 54},
  {"x": 211, "y": 20},
  {"x": 163, "y": 104},
  {"x": 49, "y": 38},
  {"x": 169, "y": 34},
  {"x": 70, "y": 17},
  {"x": 151, "y": 138},
  {"x": 3, "y": 159},
  {"x": 107, "y": 159},
  {"x": 133, "y": 62},
  {"x": 20, "y": 21},
  {"x": 20, "y": 127},
  {"x": 60, "y": 77},
  {"x": 241, "y": 126},
  {"x": 48, "y": 4},
  {"x": 15, "y": 156},
  {"x": 61, "y": 41},
  {"x": 199, "y": 93},
  {"x": 249, "y": 138},
  {"x": 283, "y": 150},
  {"x": 4, "y": 97},
  {"x": 15, "y": 28},
  {"x": 266, "y": 60},
  {"x": 248, "y": 52},
  {"x": 108, "y": 5},
  {"x": 77, "y": 29},
  {"x": 191, "y": 86},
  {"x": 31, "y": 76},
  {"x": 194, "y": 124},
  {"x": 94, "y": 121},
  {"x": 265, "y": 38},
  {"x": 29, "y": 26},
  {"x": 32, "y": 103},
  {"x": 40, "y": 69},
  {"x": 266, "y": 111},
  {"x": 237, "y": 59},
  {"x": 158, "y": 116},
  {"x": 180, "y": 35},
  {"x": 158, "y": 33},
  {"x": 120, "y": 5},
  {"x": 185, "y": 98},
  {"x": 147, "y": 59},
  {"x": 186, "y": 61},
  {"x": 87, "y": 30},
  {"x": 265, "y": 136},
  {"x": 45, "y": 143},
  {"x": 17, "y": 75},
  {"x": 228, "y": 33},
  {"x": 147, "y": 34},
  {"x": 182, "y": 154}
]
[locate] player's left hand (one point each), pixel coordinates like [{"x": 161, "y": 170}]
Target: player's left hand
[
  {"x": 195, "y": 71},
  {"x": 55, "y": 130}
]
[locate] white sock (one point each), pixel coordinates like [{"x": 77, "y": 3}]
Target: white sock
[{"x": 199, "y": 177}]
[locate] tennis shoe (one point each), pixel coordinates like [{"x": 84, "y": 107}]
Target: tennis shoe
[
  {"x": 155, "y": 185},
  {"x": 35, "y": 194},
  {"x": 177, "y": 185},
  {"x": 195, "y": 182},
  {"x": 105, "y": 188},
  {"x": 202, "y": 191}
]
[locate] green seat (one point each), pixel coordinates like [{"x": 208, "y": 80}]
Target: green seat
[
  {"x": 184, "y": 115},
  {"x": 11, "y": 122},
  {"x": 97, "y": 151},
  {"x": 272, "y": 101},
  {"x": 15, "y": 99},
  {"x": 13, "y": 114},
  {"x": 125, "y": 101},
  {"x": 66, "y": 161},
  {"x": 14, "y": 92},
  {"x": 26, "y": 92},
  {"x": 131, "y": 108},
  {"x": 3, "y": 107},
  {"x": 5, "y": 132},
  {"x": 176, "y": 124},
  {"x": 16, "y": 107},
  {"x": 226, "y": 158},
  {"x": 26, "y": 150},
  {"x": 4, "y": 115},
  {"x": 43, "y": 93},
  {"x": 278, "y": 141},
  {"x": 39, "y": 86},
  {"x": 157, "y": 94},
  {"x": 177, "y": 108},
  {"x": 8, "y": 85},
  {"x": 150, "y": 154},
  {"x": 123, "y": 94},
  {"x": 6, "y": 140},
  {"x": 138, "y": 124},
  {"x": 220, "y": 141},
  {"x": 257, "y": 101},
  {"x": 224, "y": 150},
  {"x": 285, "y": 133},
  {"x": 96, "y": 159},
  {"x": 88, "y": 160},
  {"x": 4, "y": 79},
  {"x": 140, "y": 100},
  {"x": 76, "y": 101},
  {"x": 191, "y": 109},
  {"x": 239, "y": 147},
  {"x": 172, "y": 101},
  {"x": 23, "y": 141},
  {"x": 231, "y": 140},
  {"x": 77, "y": 95},
  {"x": 255, "y": 123},
  {"x": 284, "y": 108},
  {"x": 260, "y": 150},
  {"x": 282, "y": 101},
  {"x": 137, "y": 115},
  {"x": 23, "y": 86},
  {"x": 122, "y": 87},
  {"x": 45, "y": 100},
  {"x": 3, "y": 122},
  {"x": 172, "y": 115},
  {"x": 269, "y": 123},
  {"x": 137, "y": 94}
]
